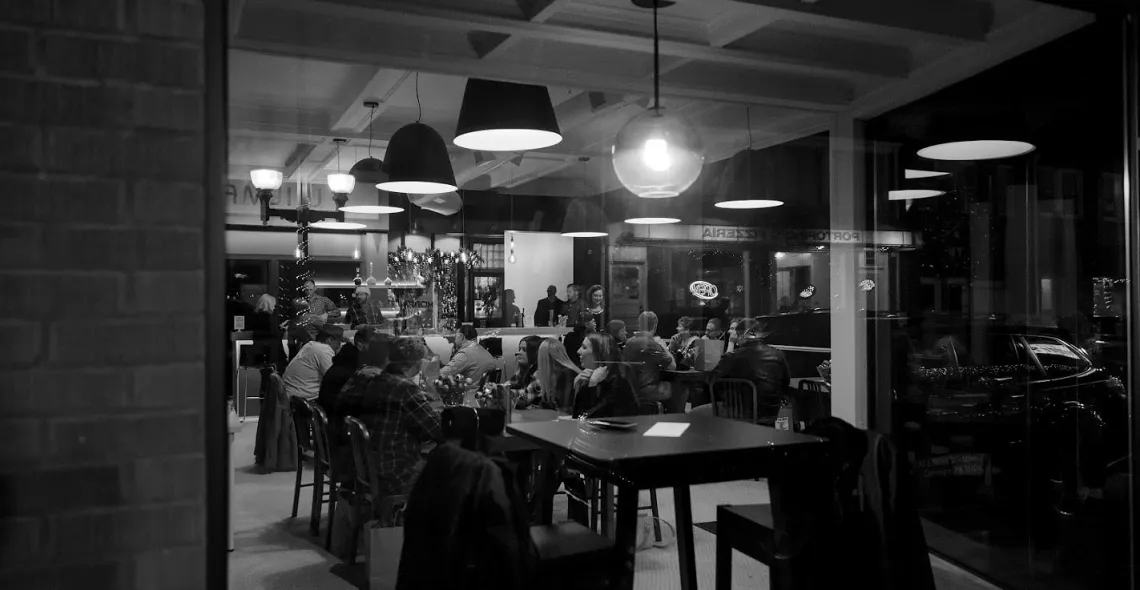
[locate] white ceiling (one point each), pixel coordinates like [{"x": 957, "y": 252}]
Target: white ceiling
[{"x": 300, "y": 71}]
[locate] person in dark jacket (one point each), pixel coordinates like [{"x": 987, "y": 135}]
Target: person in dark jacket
[
  {"x": 755, "y": 361},
  {"x": 547, "y": 310},
  {"x": 603, "y": 387},
  {"x": 648, "y": 359},
  {"x": 347, "y": 361}
]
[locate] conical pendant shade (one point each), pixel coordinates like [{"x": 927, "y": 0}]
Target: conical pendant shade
[
  {"x": 506, "y": 117},
  {"x": 417, "y": 162},
  {"x": 584, "y": 219},
  {"x": 369, "y": 171}
]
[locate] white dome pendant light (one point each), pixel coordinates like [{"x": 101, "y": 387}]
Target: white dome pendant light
[{"x": 657, "y": 155}]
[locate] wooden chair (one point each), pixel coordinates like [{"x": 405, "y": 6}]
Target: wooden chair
[
  {"x": 303, "y": 426},
  {"x": 366, "y": 486},
  {"x": 738, "y": 399},
  {"x": 325, "y": 473}
]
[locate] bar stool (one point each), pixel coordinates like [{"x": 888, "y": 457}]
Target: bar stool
[
  {"x": 325, "y": 474},
  {"x": 303, "y": 426},
  {"x": 366, "y": 486}
]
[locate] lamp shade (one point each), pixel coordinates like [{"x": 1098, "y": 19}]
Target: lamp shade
[
  {"x": 417, "y": 162},
  {"x": 748, "y": 181},
  {"x": 369, "y": 171},
  {"x": 377, "y": 209},
  {"x": 341, "y": 183},
  {"x": 652, "y": 211},
  {"x": 657, "y": 155},
  {"x": 265, "y": 179},
  {"x": 584, "y": 219},
  {"x": 442, "y": 203},
  {"x": 506, "y": 117}
]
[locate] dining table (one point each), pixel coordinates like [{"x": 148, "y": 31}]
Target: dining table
[{"x": 678, "y": 451}]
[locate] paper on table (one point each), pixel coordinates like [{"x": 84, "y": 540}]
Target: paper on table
[{"x": 673, "y": 429}]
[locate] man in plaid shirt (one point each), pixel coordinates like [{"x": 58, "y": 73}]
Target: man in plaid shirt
[{"x": 398, "y": 414}]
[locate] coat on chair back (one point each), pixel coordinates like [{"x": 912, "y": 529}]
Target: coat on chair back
[
  {"x": 275, "y": 446},
  {"x": 466, "y": 527}
]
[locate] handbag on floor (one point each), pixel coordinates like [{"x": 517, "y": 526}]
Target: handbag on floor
[
  {"x": 383, "y": 546},
  {"x": 646, "y": 536}
]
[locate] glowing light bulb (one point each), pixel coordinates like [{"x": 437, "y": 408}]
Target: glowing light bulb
[
  {"x": 655, "y": 155},
  {"x": 411, "y": 255},
  {"x": 511, "y": 259},
  {"x": 297, "y": 252},
  {"x": 463, "y": 257},
  {"x": 356, "y": 254}
]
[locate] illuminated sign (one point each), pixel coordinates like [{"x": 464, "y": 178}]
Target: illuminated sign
[
  {"x": 807, "y": 293},
  {"x": 867, "y": 285},
  {"x": 703, "y": 290}
]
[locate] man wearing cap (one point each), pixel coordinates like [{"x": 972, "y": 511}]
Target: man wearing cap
[
  {"x": 364, "y": 311},
  {"x": 302, "y": 377}
]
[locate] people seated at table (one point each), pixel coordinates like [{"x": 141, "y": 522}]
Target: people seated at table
[
  {"x": 754, "y": 360},
  {"x": 547, "y": 310},
  {"x": 714, "y": 330},
  {"x": 682, "y": 344},
  {"x": 526, "y": 362},
  {"x": 647, "y": 358},
  {"x": 364, "y": 311},
  {"x": 731, "y": 335},
  {"x": 556, "y": 373},
  {"x": 470, "y": 361},
  {"x": 603, "y": 387},
  {"x": 348, "y": 359},
  {"x": 397, "y": 412},
  {"x": 302, "y": 377},
  {"x": 616, "y": 328}
]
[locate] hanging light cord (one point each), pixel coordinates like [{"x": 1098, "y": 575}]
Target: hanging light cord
[
  {"x": 748, "y": 122},
  {"x": 419, "y": 106},
  {"x": 371, "y": 116},
  {"x": 656, "y": 63}
]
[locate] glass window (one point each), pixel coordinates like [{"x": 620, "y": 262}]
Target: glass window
[{"x": 1056, "y": 358}]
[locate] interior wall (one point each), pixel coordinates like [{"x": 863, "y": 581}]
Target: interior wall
[{"x": 542, "y": 259}]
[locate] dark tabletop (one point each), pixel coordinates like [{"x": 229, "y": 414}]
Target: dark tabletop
[{"x": 710, "y": 450}]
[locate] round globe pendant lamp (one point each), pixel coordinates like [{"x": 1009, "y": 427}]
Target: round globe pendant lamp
[
  {"x": 657, "y": 155},
  {"x": 506, "y": 117}
]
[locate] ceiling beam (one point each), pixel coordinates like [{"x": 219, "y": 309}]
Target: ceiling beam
[
  {"x": 953, "y": 21},
  {"x": 535, "y": 11},
  {"x": 798, "y": 93},
  {"x": 297, "y": 159},
  {"x": 408, "y": 15},
  {"x": 380, "y": 88}
]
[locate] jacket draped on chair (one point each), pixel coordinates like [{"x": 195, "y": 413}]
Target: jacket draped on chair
[{"x": 275, "y": 447}]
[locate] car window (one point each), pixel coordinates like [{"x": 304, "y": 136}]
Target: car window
[{"x": 1057, "y": 358}]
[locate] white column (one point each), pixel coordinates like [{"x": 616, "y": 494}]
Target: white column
[{"x": 848, "y": 318}]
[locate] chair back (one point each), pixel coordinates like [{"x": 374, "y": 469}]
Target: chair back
[
  {"x": 816, "y": 398},
  {"x": 367, "y": 475},
  {"x": 739, "y": 399},
  {"x": 302, "y": 424},
  {"x": 320, "y": 423}
]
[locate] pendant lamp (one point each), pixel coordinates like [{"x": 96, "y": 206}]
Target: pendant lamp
[
  {"x": 746, "y": 182},
  {"x": 657, "y": 155},
  {"x": 975, "y": 135},
  {"x": 417, "y": 162},
  {"x": 339, "y": 182},
  {"x": 651, "y": 212},
  {"x": 369, "y": 170},
  {"x": 584, "y": 219},
  {"x": 506, "y": 117}
]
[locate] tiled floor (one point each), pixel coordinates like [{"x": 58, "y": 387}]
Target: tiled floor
[{"x": 274, "y": 552}]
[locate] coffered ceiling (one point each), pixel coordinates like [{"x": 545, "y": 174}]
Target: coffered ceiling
[{"x": 300, "y": 71}]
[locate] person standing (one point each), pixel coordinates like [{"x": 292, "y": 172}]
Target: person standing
[
  {"x": 303, "y": 376},
  {"x": 595, "y": 305},
  {"x": 575, "y": 307},
  {"x": 364, "y": 311},
  {"x": 648, "y": 359},
  {"x": 321, "y": 309},
  {"x": 547, "y": 310},
  {"x": 470, "y": 360},
  {"x": 512, "y": 315}
]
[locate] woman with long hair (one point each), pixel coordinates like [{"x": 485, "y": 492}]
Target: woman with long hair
[
  {"x": 603, "y": 387},
  {"x": 556, "y": 373},
  {"x": 526, "y": 362}
]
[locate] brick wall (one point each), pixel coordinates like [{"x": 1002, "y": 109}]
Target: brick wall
[{"x": 102, "y": 388}]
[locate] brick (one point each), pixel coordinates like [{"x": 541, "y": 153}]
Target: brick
[
  {"x": 36, "y": 294},
  {"x": 21, "y": 246},
  {"x": 173, "y": 569},
  {"x": 22, "y": 148},
  {"x": 167, "y": 156},
  {"x": 87, "y": 152},
  {"x": 16, "y": 51},
  {"x": 127, "y": 341},
  {"x": 117, "y": 438},
  {"x": 49, "y": 200},
  {"x": 163, "y": 291},
  {"x": 162, "y": 64},
  {"x": 169, "y": 203},
  {"x": 24, "y": 11},
  {"x": 36, "y": 493},
  {"x": 165, "y": 479},
  {"x": 22, "y": 343},
  {"x": 64, "y": 391},
  {"x": 88, "y": 15},
  {"x": 92, "y": 248},
  {"x": 103, "y": 107},
  {"x": 170, "y": 386},
  {"x": 20, "y": 100},
  {"x": 161, "y": 108},
  {"x": 83, "y": 58},
  {"x": 114, "y": 533},
  {"x": 21, "y": 540},
  {"x": 55, "y": 576},
  {"x": 24, "y": 439},
  {"x": 171, "y": 250},
  {"x": 179, "y": 19}
]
